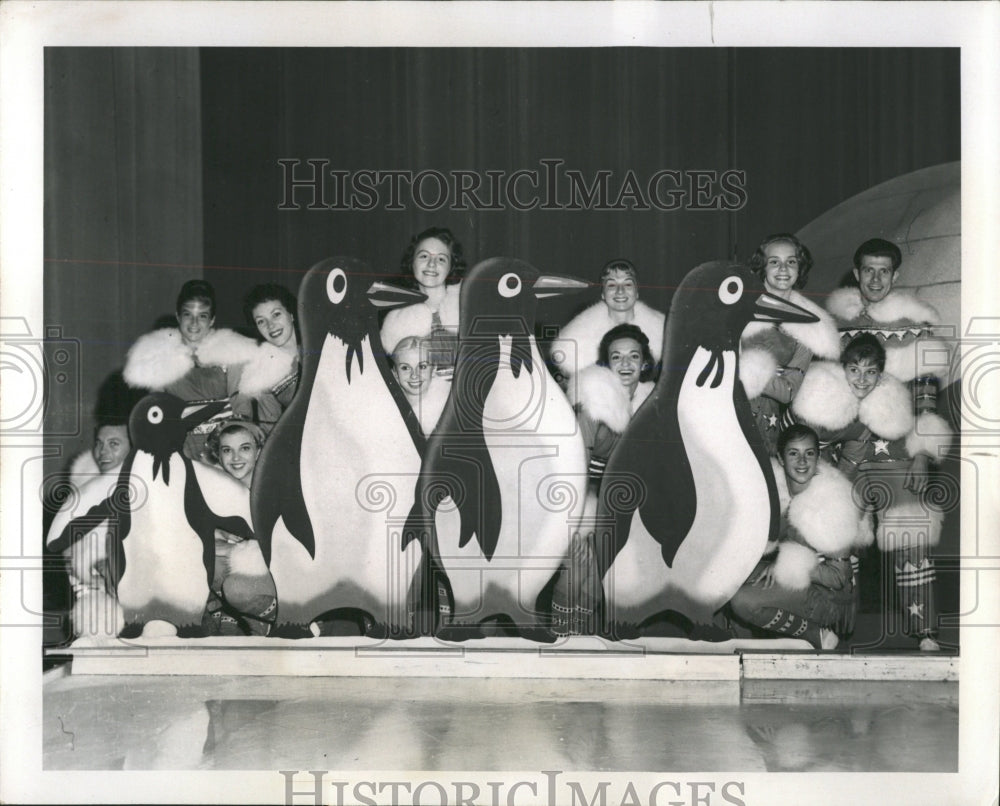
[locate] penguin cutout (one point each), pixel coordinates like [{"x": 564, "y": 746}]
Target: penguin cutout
[
  {"x": 506, "y": 447},
  {"x": 687, "y": 502},
  {"x": 340, "y": 461},
  {"x": 163, "y": 513}
]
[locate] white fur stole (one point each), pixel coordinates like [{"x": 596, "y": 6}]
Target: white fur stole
[
  {"x": 604, "y": 399},
  {"x": 579, "y": 341},
  {"x": 268, "y": 366}
]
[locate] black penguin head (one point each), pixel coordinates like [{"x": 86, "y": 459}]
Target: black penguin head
[
  {"x": 157, "y": 425},
  {"x": 500, "y": 295},
  {"x": 717, "y": 300},
  {"x": 339, "y": 296}
]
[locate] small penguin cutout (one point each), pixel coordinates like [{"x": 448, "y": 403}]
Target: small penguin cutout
[
  {"x": 339, "y": 465},
  {"x": 687, "y": 502},
  {"x": 162, "y": 515},
  {"x": 506, "y": 445}
]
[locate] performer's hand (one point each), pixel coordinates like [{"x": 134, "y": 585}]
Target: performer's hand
[
  {"x": 916, "y": 476},
  {"x": 766, "y": 577}
]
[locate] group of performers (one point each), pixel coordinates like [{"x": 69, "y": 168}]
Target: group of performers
[{"x": 843, "y": 405}]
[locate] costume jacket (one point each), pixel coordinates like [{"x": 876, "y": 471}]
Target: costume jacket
[
  {"x": 774, "y": 359},
  {"x": 418, "y": 319},
  {"x": 875, "y": 438},
  {"x": 603, "y": 409},
  {"x": 820, "y": 527},
  {"x": 210, "y": 370},
  {"x": 904, "y": 326},
  {"x": 262, "y": 396},
  {"x": 578, "y": 342}
]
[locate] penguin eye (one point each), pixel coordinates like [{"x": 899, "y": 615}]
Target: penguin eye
[
  {"x": 336, "y": 285},
  {"x": 731, "y": 289},
  {"x": 509, "y": 285},
  {"x": 155, "y": 415}
]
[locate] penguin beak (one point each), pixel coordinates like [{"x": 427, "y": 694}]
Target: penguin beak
[
  {"x": 383, "y": 295},
  {"x": 552, "y": 285},
  {"x": 196, "y": 415},
  {"x": 769, "y": 308}
]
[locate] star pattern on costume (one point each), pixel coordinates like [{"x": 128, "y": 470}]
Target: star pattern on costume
[
  {"x": 917, "y": 610},
  {"x": 881, "y": 446},
  {"x": 772, "y": 421}
]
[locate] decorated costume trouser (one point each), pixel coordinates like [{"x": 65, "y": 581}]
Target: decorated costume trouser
[
  {"x": 239, "y": 603},
  {"x": 797, "y": 613},
  {"x": 908, "y": 529}
]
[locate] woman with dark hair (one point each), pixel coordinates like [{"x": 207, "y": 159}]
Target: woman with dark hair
[
  {"x": 775, "y": 357},
  {"x": 271, "y": 310},
  {"x": 194, "y": 361},
  {"x": 864, "y": 418},
  {"x": 578, "y": 342},
  {"x": 433, "y": 263},
  {"x": 605, "y": 396}
]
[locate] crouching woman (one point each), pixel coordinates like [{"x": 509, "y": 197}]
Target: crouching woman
[{"x": 807, "y": 588}]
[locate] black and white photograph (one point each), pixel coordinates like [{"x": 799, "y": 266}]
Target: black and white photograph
[{"x": 479, "y": 403}]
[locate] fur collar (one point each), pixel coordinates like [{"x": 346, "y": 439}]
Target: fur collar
[
  {"x": 266, "y": 369},
  {"x": 161, "y": 358},
  {"x": 898, "y": 307},
  {"x": 417, "y": 319},
  {"x": 825, "y": 400},
  {"x": 603, "y": 399},
  {"x": 578, "y": 342},
  {"x": 820, "y": 337},
  {"x": 84, "y": 468},
  {"x": 823, "y": 519}
]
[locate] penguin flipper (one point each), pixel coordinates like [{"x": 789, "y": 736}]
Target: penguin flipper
[
  {"x": 478, "y": 498},
  {"x": 277, "y": 484},
  {"x": 114, "y": 508},
  {"x": 204, "y": 520}
]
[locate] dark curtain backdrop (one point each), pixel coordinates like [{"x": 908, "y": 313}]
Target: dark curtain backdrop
[
  {"x": 810, "y": 127},
  {"x": 123, "y": 213},
  {"x": 162, "y": 164}
]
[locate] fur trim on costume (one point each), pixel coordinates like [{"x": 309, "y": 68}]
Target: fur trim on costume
[
  {"x": 246, "y": 560},
  {"x": 157, "y": 360},
  {"x": 930, "y": 435},
  {"x": 601, "y": 396},
  {"x": 417, "y": 320},
  {"x": 224, "y": 348},
  {"x": 579, "y": 341},
  {"x": 757, "y": 367},
  {"x": 794, "y": 564},
  {"x": 83, "y": 468},
  {"x": 899, "y": 526},
  {"x": 825, "y": 399},
  {"x": 888, "y": 409},
  {"x": 897, "y": 307},
  {"x": 266, "y": 369},
  {"x": 822, "y": 337},
  {"x": 909, "y": 359},
  {"x": 604, "y": 399},
  {"x": 824, "y": 514},
  {"x": 866, "y": 531}
]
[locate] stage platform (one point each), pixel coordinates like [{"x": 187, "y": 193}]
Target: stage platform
[{"x": 579, "y": 657}]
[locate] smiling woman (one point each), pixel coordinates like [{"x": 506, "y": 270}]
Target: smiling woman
[{"x": 433, "y": 264}]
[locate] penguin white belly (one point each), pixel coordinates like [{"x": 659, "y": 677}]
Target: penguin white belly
[
  {"x": 732, "y": 516},
  {"x": 358, "y": 467},
  {"x": 540, "y": 463},
  {"x": 165, "y": 575}
]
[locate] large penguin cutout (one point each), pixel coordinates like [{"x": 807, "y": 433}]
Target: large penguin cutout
[
  {"x": 505, "y": 449},
  {"x": 163, "y": 514},
  {"x": 341, "y": 459},
  {"x": 687, "y": 502}
]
